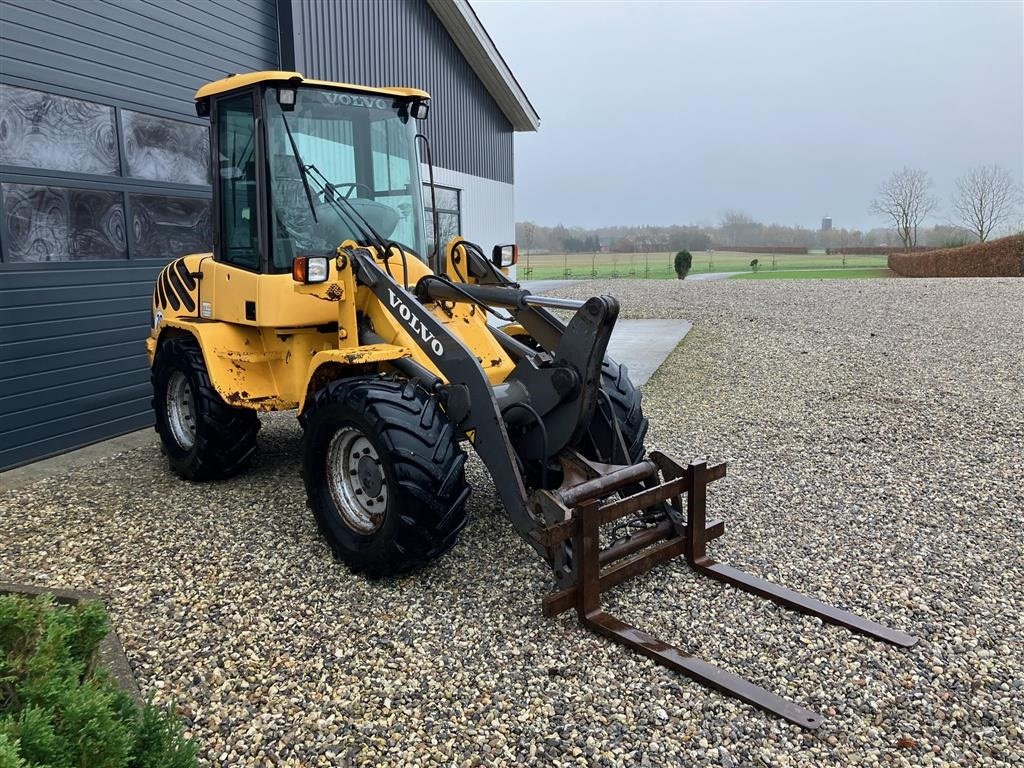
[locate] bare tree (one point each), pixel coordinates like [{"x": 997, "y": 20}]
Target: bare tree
[
  {"x": 985, "y": 199},
  {"x": 529, "y": 232},
  {"x": 905, "y": 200}
]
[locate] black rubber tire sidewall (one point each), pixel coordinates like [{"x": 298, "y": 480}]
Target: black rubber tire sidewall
[
  {"x": 225, "y": 435},
  {"x": 626, "y": 404},
  {"x": 423, "y": 465},
  {"x": 372, "y": 546}
]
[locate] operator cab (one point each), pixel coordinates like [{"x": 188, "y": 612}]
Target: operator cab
[{"x": 303, "y": 165}]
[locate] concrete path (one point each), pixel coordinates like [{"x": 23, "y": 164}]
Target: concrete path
[
  {"x": 713, "y": 275},
  {"x": 643, "y": 345},
  {"x": 542, "y": 286},
  {"x": 64, "y": 462}
]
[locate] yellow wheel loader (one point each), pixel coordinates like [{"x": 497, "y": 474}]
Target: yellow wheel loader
[{"x": 321, "y": 295}]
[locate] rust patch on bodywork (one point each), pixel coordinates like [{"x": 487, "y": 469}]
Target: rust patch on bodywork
[{"x": 334, "y": 293}]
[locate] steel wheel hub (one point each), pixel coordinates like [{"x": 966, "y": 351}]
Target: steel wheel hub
[
  {"x": 181, "y": 410},
  {"x": 356, "y": 480}
]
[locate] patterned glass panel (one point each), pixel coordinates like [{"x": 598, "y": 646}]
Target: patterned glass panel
[
  {"x": 40, "y": 130},
  {"x": 61, "y": 224},
  {"x": 169, "y": 227},
  {"x": 165, "y": 150}
]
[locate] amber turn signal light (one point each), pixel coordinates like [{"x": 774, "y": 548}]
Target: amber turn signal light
[{"x": 309, "y": 269}]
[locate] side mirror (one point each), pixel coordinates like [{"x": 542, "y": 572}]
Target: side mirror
[
  {"x": 505, "y": 255},
  {"x": 418, "y": 110}
]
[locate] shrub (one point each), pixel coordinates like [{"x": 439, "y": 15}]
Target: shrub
[
  {"x": 753, "y": 264},
  {"x": 682, "y": 263},
  {"x": 59, "y": 709}
]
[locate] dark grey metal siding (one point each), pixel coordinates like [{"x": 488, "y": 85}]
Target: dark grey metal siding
[
  {"x": 135, "y": 54},
  {"x": 402, "y": 42},
  {"x": 73, "y": 366},
  {"x": 72, "y": 361}
]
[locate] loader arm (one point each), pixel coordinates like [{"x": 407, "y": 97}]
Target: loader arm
[
  {"x": 550, "y": 399},
  {"x": 468, "y": 394},
  {"x": 535, "y": 316}
]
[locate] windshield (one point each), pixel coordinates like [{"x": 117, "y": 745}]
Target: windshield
[{"x": 365, "y": 147}]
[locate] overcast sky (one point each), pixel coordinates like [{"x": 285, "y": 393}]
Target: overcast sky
[{"x": 671, "y": 112}]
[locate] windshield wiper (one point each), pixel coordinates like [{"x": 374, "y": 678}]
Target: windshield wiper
[
  {"x": 331, "y": 197},
  {"x": 301, "y": 167}
]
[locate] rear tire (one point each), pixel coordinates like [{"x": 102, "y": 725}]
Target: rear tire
[
  {"x": 384, "y": 473},
  {"x": 203, "y": 437}
]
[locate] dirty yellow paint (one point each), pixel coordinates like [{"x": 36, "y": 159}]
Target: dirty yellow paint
[{"x": 265, "y": 356}]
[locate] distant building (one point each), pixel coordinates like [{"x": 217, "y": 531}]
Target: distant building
[{"x": 826, "y": 224}]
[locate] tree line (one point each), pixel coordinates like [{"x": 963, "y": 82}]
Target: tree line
[{"x": 986, "y": 200}]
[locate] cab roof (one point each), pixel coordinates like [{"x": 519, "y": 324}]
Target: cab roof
[{"x": 234, "y": 82}]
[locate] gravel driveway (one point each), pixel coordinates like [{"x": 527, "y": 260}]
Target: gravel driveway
[{"x": 875, "y": 434}]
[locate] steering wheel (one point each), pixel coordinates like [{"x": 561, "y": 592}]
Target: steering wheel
[{"x": 352, "y": 186}]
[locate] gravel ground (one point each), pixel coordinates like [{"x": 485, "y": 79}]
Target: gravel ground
[{"x": 875, "y": 434}]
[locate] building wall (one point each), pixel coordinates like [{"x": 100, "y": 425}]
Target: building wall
[
  {"x": 112, "y": 185},
  {"x": 486, "y": 207},
  {"x": 402, "y": 42},
  {"x": 139, "y": 55},
  {"x": 88, "y": 218}
]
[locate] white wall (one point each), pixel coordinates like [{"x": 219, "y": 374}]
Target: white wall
[{"x": 488, "y": 215}]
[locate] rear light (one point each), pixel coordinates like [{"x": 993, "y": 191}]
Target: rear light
[{"x": 310, "y": 269}]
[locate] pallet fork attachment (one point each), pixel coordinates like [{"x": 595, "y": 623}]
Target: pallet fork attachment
[{"x": 684, "y": 531}]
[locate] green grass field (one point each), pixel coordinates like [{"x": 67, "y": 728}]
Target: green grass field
[
  {"x": 851, "y": 273},
  {"x": 659, "y": 265}
]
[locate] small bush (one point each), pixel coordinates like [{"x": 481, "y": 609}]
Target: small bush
[
  {"x": 59, "y": 710},
  {"x": 682, "y": 263},
  {"x": 753, "y": 264}
]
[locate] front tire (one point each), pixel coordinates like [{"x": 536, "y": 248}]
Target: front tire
[
  {"x": 203, "y": 437},
  {"x": 384, "y": 473},
  {"x": 620, "y": 399}
]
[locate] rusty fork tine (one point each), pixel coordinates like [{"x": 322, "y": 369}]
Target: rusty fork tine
[
  {"x": 637, "y": 554},
  {"x": 588, "y": 607},
  {"x": 702, "y": 672},
  {"x": 696, "y": 555},
  {"x": 802, "y": 603}
]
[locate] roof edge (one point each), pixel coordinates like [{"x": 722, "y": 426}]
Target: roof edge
[
  {"x": 235, "y": 82},
  {"x": 471, "y": 38}
]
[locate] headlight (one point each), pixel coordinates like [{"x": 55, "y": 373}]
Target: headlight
[{"x": 310, "y": 269}]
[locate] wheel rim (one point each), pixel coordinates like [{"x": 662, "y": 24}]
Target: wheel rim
[
  {"x": 356, "y": 480},
  {"x": 181, "y": 410}
]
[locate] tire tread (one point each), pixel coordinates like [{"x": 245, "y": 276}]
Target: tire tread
[{"x": 428, "y": 464}]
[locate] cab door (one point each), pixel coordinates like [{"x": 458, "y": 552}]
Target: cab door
[{"x": 238, "y": 214}]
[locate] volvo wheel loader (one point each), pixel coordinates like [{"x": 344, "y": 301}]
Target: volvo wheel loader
[{"x": 322, "y": 295}]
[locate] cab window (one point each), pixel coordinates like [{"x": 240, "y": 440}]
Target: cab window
[{"x": 236, "y": 177}]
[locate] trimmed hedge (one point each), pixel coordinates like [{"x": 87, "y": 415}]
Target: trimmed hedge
[
  {"x": 59, "y": 709},
  {"x": 997, "y": 258},
  {"x": 792, "y": 250},
  {"x": 873, "y": 250}
]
